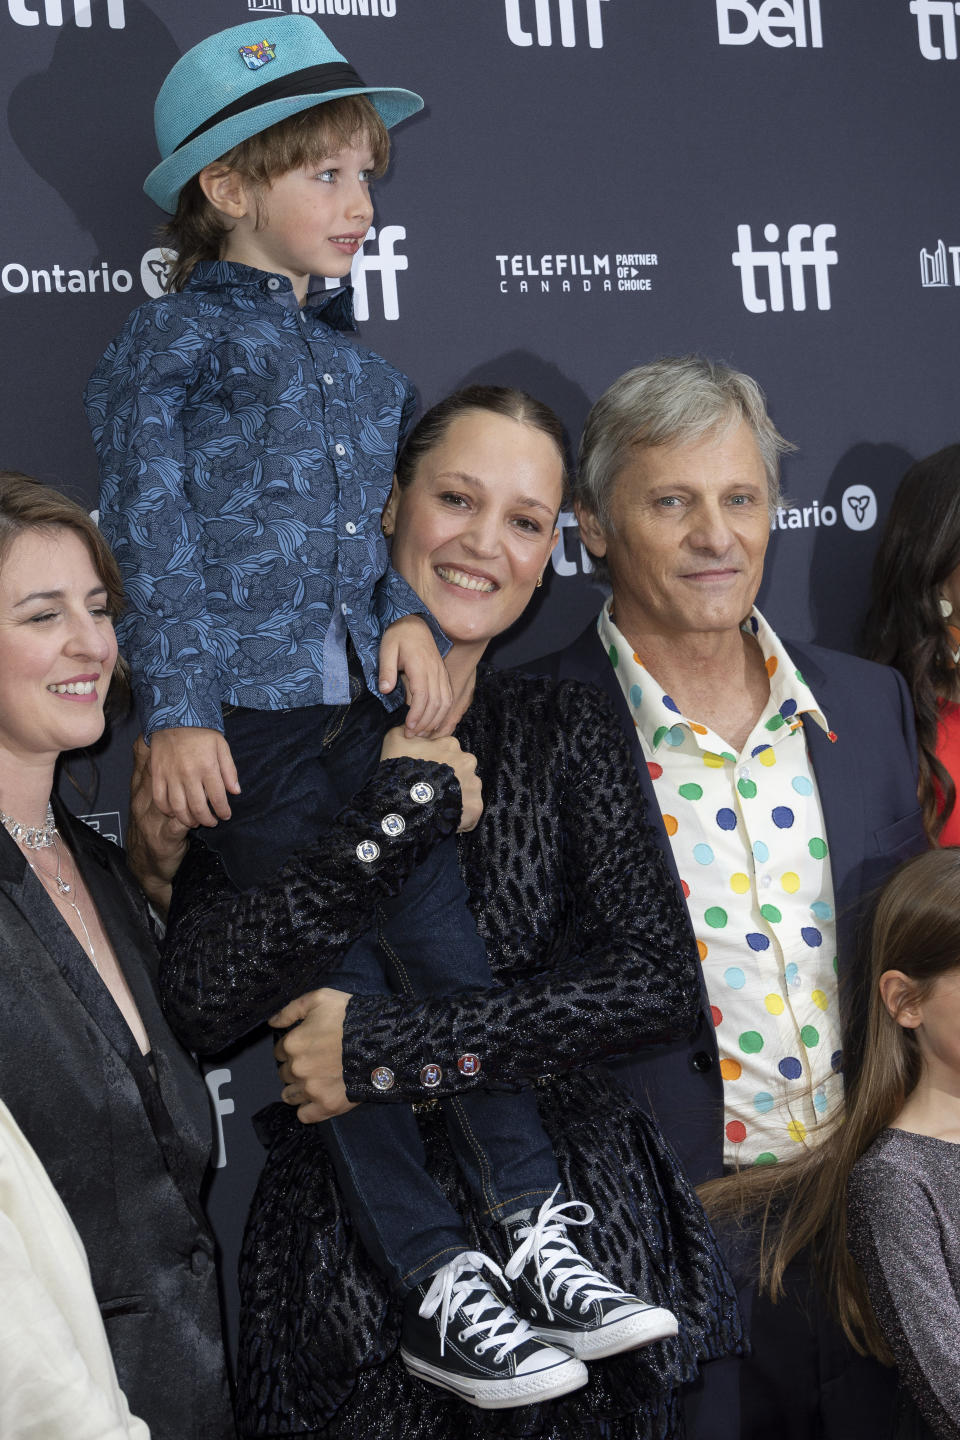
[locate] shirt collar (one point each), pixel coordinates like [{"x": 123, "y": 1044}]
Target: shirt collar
[
  {"x": 655, "y": 713},
  {"x": 335, "y": 305}
]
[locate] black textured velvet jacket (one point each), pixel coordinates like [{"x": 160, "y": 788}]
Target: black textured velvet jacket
[
  {"x": 569, "y": 885},
  {"x": 126, "y": 1153},
  {"x": 592, "y": 956}
]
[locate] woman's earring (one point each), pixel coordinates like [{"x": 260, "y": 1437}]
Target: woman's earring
[
  {"x": 540, "y": 580},
  {"x": 946, "y": 609}
]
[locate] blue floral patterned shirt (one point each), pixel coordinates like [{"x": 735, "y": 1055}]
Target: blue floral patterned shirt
[{"x": 246, "y": 451}]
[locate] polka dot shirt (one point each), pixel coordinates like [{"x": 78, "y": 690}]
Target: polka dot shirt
[{"x": 748, "y": 838}]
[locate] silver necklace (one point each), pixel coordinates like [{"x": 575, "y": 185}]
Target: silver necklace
[
  {"x": 33, "y": 837},
  {"x": 66, "y": 891}
]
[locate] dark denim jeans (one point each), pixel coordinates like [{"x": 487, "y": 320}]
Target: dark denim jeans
[{"x": 297, "y": 768}]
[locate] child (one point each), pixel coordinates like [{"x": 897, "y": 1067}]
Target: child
[
  {"x": 878, "y": 1203},
  {"x": 246, "y": 453}
]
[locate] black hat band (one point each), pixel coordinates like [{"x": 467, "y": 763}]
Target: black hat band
[{"x": 314, "y": 80}]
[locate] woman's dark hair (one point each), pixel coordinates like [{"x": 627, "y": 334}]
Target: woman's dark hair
[
  {"x": 919, "y": 549},
  {"x": 491, "y": 399},
  {"x": 800, "y": 1203}
]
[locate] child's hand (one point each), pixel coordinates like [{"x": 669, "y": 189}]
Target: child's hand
[
  {"x": 192, "y": 771},
  {"x": 445, "y": 751},
  {"x": 408, "y": 650}
]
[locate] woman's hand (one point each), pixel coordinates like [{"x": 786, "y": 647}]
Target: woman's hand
[
  {"x": 311, "y": 1054},
  {"x": 155, "y": 843},
  {"x": 446, "y": 751}
]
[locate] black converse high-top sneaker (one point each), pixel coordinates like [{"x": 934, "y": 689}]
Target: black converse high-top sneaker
[
  {"x": 565, "y": 1299},
  {"x": 457, "y": 1333}
]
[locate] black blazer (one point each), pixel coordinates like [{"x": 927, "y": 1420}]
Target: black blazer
[
  {"x": 868, "y": 789},
  {"x": 126, "y": 1153}
]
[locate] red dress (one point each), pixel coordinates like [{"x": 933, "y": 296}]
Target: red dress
[{"x": 948, "y": 753}]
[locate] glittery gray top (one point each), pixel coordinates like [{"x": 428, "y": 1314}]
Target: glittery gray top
[{"x": 904, "y": 1232}]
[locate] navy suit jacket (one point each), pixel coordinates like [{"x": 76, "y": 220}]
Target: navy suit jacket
[{"x": 867, "y": 780}]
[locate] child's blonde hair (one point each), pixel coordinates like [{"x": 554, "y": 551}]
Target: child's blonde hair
[{"x": 197, "y": 231}]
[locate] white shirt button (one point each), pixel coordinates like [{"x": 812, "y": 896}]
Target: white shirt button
[
  {"x": 343, "y": 608},
  {"x": 350, "y": 528},
  {"x": 765, "y": 882},
  {"x": 339, "y": 450},
  {"x": 328, "y": 379},
  {"x": 273, "y": 283},
  {"x": 744, "y": 772}
]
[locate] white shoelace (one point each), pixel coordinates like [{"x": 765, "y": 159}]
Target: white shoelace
[
  {"x": 546, "y": 1242},
  {"x": 459, "y": 1285}
]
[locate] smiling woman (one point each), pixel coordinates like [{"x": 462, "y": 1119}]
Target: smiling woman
[
  {"x": 591, "y": 954},
  {"x": 88, "y": 1068}
]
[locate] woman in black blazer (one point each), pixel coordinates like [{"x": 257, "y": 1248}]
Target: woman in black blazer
[{"x": 110, "y": 1102}]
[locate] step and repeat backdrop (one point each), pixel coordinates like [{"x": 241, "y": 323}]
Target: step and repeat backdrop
[{"x": 593, "y": 183}]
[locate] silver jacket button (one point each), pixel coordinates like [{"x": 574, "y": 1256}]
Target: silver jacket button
[
  {"x": 382, "y": 1078},
  {"x": 367, "y": 851},
  {"x": 469, "y": 1065},
  {"x": 393, "y": 824},
  {"x": 430, "y": 1076},
  {"x": 422, "y": 793}
]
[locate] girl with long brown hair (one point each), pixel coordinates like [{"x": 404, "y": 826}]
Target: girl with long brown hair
[{"x": 877, "y": 1205}]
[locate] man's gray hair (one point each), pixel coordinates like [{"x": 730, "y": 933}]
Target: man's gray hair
[{"x": 675, "y": 401}]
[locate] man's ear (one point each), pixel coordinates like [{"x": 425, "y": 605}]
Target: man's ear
[
  {"x": 388, "y": 520},
  {"x": 591, "y": 532},
  {"x": 226, "y": 190},
  {"x": 899, "y": 995}
]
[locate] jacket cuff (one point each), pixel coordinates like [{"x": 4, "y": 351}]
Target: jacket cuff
[
  {"x": 408, "y": 807},
  {"x": 389, "y": 1056}
]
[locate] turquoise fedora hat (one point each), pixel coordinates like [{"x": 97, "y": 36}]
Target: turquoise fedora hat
[{"x": 243, "y": 80}]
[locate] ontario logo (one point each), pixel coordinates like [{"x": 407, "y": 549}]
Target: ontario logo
[
  {"x": 576, "y": 272},
  {"x": 19, "y": 279}
]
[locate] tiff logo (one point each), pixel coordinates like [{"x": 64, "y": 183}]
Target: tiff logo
[
  {"x": 53, "y": 12},
  {"x": 934, "y": 274},
  {"x": 543, "y": 12},
  {"x": 386, "y": 262},
  {"x": 798, "y": 257},
  {"x": 777, "y": 22},
  {"x": 946, "y": 11}
]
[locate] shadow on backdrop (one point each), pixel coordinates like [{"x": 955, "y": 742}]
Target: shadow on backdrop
[
  {"x": 92, "y": 139},
  {"x": 860, "y": 490}
]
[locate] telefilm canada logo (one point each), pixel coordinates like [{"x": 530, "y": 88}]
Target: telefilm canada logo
[
  {"x": 936, "y": 271},
  {"x": 551, "y": 22},
  {"x": 776, "y": 22},
  {"x": 936, "y": 27},
  {"x": 577, "y": 272},
  {"x": 858, "y": 510},
  {"x": 83, "y": 13},
  {"x": 371, "y": 9},
  {"x": 807, "y": 255}
]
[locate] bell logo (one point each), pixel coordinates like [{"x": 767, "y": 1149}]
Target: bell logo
[
  {"x": 798, "y": 257},
  {"x": 777, "y": 22},
  {"x": 944, "y": 11},
  {"x": 543, "y": 13},
  {"x": 386, "y": 262},
  {"x": 24, "y": 14}
]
